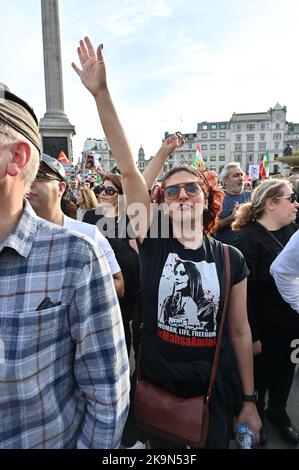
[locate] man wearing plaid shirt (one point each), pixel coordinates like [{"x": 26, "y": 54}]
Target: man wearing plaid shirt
[{"x": 64, "y": 372}]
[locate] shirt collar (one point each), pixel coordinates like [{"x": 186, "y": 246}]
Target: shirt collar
[{"x": 21, "y": 239}]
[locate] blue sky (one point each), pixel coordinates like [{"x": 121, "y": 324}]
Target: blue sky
[{"x": 171, "y": 63}]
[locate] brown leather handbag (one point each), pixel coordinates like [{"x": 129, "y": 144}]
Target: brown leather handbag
[{"x": 178, "y": 419}]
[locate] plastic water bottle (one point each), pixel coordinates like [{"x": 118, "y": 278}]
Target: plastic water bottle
[{"x": 244, "y": 437}]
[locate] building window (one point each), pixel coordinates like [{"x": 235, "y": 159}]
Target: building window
[
  {"x": 222, "y": 126},
  {"x": 213, "y": 135},
  {"x": 249, "y": 157},
  {"x": 204, "y": 135},
  {"x": 238, "y": 127},
  {"x": 213, "y": 158},
  {"x": 204, "y": 157},
  {"x": 250, "y": 147},
  {"x": 213, "y": 146},
  {"x": 204, "y": 127},
  {"x": 238, "y": 137},
  {"x": 222, "y": 158},
  {"x": 238, "y": 158},
  {"x": 213, "y": 126},
  {"x": 276, "y": 169},
  {"x": 262, "y": 146},
  {"x": 250, "y": 137},
  {"x": 277, "y": 126},
  {"x": 222, "y": 147},
  {"x": 238, "y": 147},
  {"x": 276, "y": 136},
  {"x": 213, "y": 167},
  {"x": 204, "y": 147},
  {"x": 250, "y": 127},
  {"x": 222, "y": 134},
  {"x": 263, "y": 126},
  {"x": 277, "y": 145},
  {"x": 262, "y": 136},
  {"x": 275, "y": 156},
  {"x": 190, "y": 146},
  {"x": 221, "y": 168}
]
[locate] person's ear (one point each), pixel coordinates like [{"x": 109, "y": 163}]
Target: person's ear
[
  {"x": 62, "y": 188},
  {"x": 224, "y": 181},
  {"x": 270, "y": 204},
  {"x": 21, "y": 153}
]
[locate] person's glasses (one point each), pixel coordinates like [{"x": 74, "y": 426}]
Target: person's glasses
[
  {"x": 291, "y": 197},
  {"x": 173, "y": 191},
  {"x": 108, "y": 190},
  {"x": 41, "y": 176}
]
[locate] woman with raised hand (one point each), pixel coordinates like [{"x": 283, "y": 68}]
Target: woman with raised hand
[{"x": 190, "y": 206}]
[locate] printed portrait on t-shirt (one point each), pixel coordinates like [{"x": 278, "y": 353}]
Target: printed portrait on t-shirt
[{"x": 189, "y": 295}]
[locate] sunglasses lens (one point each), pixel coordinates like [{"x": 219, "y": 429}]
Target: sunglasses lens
[
  {"x": 192, "y": 188},
  {"x": 108, "y": 191},
  {"x": 293, "y": 198},
  {"x": 39, "y": 176},
  {"x": 172, "y": 192}
]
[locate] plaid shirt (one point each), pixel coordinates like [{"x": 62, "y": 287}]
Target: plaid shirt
[{"x": 64, "y": 371}]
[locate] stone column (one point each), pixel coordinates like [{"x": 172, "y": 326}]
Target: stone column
[{"x": 56, "y": 130}]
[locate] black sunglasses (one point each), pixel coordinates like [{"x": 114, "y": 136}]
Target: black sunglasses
[
  {"x": 41, "y": 176},
  {"x": 173, "y": 191},
  {"x": 108, "y": 190},
  {"x": 291, "y": 197}
]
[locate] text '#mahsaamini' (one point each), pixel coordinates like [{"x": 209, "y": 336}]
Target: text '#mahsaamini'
[{"x": 182, "y": 341}]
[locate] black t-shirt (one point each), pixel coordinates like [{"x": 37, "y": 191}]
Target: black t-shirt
[
  {"x": 267, "y": 310},
  {"x": 183, "y": 293}
]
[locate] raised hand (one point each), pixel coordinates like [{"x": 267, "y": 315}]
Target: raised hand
[
  {"x": 93, "y": 73},
  {"x": 173, "y": 142}
]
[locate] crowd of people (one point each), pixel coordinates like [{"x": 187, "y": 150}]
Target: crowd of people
[{"x": 94, "y": 275}]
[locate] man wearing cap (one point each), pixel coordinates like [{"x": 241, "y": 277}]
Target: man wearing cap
[
  {"x": 45, "y": 197},
  {"x": 64, "y": 372}
]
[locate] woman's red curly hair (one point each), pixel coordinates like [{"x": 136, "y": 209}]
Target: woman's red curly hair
[{"x": 213, "y": 195}]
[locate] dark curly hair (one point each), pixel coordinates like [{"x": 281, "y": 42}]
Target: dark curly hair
[{"x": 213, "y": 195}]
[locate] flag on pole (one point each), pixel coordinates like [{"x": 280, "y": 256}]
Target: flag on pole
[
  {"x": 265, "y": 166},
  {"x": 198, "y": 162},
  {"x": 63, "y": 158}
]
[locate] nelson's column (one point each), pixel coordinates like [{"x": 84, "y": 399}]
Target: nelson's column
[{"x": 55, "y": 128}]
